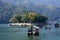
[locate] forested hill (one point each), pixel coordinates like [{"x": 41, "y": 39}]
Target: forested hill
[
  {"x": 9, "y": 9},
  {"x": 5, "y": 11}
]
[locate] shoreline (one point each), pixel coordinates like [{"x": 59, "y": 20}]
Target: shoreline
[{"x": 21, "y": 24}]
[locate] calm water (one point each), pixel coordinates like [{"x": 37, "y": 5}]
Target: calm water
[{"x": 9, "y": 33}]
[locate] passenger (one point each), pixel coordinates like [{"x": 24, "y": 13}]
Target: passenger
[
  {"x": 37, "y": 32},
  {"x": 30, "y": 31}
]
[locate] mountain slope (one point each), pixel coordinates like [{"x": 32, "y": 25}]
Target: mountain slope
[
  {"x": 45, "y": 2},
  {"x": 7, "y": 10}
]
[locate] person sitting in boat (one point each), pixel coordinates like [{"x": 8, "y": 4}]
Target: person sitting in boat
[
  {"x": 36, "y": 32},
  {"x": 29, "y": 31}
]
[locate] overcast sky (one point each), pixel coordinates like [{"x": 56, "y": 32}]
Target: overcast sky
[{"x": 45, "y": 2}]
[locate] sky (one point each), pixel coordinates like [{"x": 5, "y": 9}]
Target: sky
[{"x": 44, "y": 2}]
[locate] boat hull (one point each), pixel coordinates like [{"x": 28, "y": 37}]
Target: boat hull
[{"x": 33, "y": 33}]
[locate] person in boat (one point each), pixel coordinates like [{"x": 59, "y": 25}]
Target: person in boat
[
  {"x": 36, "y": 32},
  {"x": 30, "y": 31},
  {"x": 56, "y": 25}
]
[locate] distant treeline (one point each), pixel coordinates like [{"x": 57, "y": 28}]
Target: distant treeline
[{"x": 28, "y": 17}]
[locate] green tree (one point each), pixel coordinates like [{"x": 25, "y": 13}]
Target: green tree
[
  {"x": 13, "y": 20},
  {"x": 24, "y": 18},
  {"x": 40, "y": 19},
  {"x": 31, "y": 16}
]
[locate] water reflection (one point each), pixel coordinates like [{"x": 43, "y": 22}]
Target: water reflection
[
  {"x": 7, "y": 33},
  {"x": 32, "y": 37}
]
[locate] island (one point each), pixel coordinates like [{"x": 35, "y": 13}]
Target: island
[{"x": 28, "y": 18}]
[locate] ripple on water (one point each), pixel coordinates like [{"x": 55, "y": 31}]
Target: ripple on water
[{"x": 7, "y": 33}]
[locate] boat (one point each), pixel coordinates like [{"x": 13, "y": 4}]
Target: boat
[
  {"x": 31, "y": 32},
  {"x": 56, "y": 25}
]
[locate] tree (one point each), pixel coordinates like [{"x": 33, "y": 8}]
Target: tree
[
  {"x": 40, "y": 18},
  {"x": 24, "y": 18},
  {"x": 13, "y": 20},
  {"x": 31, "y": 16}
]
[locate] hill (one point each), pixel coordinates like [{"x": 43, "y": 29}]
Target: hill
[{"x": 7, "y": 10}]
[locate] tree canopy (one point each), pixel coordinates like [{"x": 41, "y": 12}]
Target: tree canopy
[{"x": 28, "y": 17}]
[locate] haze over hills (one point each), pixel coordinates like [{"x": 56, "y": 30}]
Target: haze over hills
[
  {"x": 11, "y": 7},
  {"x": 45, "y": 2}
]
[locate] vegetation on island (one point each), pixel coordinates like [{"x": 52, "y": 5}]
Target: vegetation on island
[
  {"x": 7, "y": 10},
  {"x": 28, "y": 17}
]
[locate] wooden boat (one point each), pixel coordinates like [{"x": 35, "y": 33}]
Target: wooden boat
[{"x": 30, "y": 32}]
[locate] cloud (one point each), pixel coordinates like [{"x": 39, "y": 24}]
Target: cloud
[
  {"x": 51, "y": 7},
  {"x": 26, "y": 1}
]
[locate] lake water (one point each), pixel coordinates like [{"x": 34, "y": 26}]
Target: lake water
[{"x": 10, "y": 33}]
